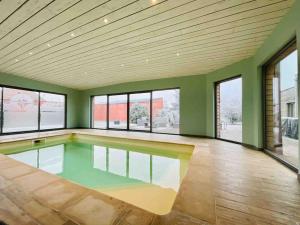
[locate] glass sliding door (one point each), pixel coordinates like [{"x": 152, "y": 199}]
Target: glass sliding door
[
  {"x": 151, "y": 111},
  {"x": 99, "y": 112},
  {"x": 281, "y": 106},
  {"x": 117, "y": 111},
  {"x": 52, "y": 111},
  {"x": 165, "y": 111},
  {"x": 139, "y": 111},
  {"x": 26, "y": 110},
  {"x": 1, "y": 105},
  {"x": 20, "y": 110},
  {"x": 229, "y": 109}
]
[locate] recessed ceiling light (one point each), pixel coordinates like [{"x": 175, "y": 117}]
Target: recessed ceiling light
[
  {"x": 153, "y": 1},
  {"x": 105, "y": 20},
  {"x": 49, "y": 45},
  {"x": 16, "y": 60},
  {"x": 72, "y": 34},
  {"x": 177, "y": 54},
  {"x": 30, "y": 53}
]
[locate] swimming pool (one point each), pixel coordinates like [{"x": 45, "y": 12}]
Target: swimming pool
[{"x": 145, "y": 174}]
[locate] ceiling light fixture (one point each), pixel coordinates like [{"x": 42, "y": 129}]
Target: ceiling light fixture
[
  {"x": 72, "y": 34},
  {"x": 122, "y": 65},
  {"x": 49, "y": 45},
  {"x": 153, "y": 1},
  {"x": 105, "y": 20},
  {"x": 177, "y": 54},
  {"x": 16, "y": 60},
  {"x": 30, "y": 53}
]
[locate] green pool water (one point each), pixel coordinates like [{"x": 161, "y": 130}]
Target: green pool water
[{"x": 148, "y": 177}]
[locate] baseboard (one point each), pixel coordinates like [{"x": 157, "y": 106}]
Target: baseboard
[
  {"x": 253, "y": 147},
  {"x": 197, "y": 136}
]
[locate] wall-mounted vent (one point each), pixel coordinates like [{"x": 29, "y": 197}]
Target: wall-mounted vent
[{"x": 39, "y": 141}]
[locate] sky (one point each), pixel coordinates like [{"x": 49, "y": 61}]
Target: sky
[
  {"x": 231, "y": 92},
  {"x": 288, "y": 70}
]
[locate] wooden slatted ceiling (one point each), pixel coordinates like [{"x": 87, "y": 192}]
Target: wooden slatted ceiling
[{"x": 90, "y": 43}]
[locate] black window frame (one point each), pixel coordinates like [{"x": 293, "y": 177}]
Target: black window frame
[
  {"x": 275, "y": 58},
  {"x": 39, "y": 111},
  {"x": 128, "y": 110},
  {"x": 92, "y": 110},
  {"x": 215, "y": 108},
  {"x": 150, "y": 113}
]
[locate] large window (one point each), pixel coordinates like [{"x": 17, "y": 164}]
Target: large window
[
  {"x": 229, "y": 110},
  {"x": 25, "y": 110},
  {"x": 1, "y": 91},
  {"x": 117, "y": 111},
  {"x": 152, "y": 111},
  {"x": 139, "y": 113},
  {"x": 99, "y": 118},
  {"x": 165, "y": 111},
  {"x": 281, "y": 105},
  {"x": 20, "y": 110},
  {"x": 52, "y": 108}
]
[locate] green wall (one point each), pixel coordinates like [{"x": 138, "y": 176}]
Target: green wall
[
  {"x": 192, "y": 100},
  {"x": 243, "y": 68},
  {"x": 72, "y": 95},
  {"x": 197, "y": 95},
  {"x": 251, "y": 71}
]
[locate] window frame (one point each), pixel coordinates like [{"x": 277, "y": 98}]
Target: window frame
[
  {"x": 215, "y": 107},
  {"x": 92, "y": 112},
  {"x": 284, "y": 51},
  {"x": 128, "y": 110},
  {"x": 39, "y": 111},
  {"x": 150, "y": 112}
]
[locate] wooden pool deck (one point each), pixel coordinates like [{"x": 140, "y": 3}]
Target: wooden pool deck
[{"x": 225, "y": 184}]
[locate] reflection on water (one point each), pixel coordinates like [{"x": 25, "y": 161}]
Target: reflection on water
[
  {"x": 159, "y": 170},
  {"x": 50, "y": 159},
  {"x": 148, "y": 180}
]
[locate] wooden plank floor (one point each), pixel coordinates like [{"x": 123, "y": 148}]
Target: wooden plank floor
[{"x": 248, "y": 187}]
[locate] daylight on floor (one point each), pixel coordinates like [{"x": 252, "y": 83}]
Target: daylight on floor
[{"x": 149, "y": 112}]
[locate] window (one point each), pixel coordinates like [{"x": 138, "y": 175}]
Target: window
[
  {"x": 139, "y": 113},
  {"x": 281, "y": 105},
  {"x": 229, "y": 110},
  {"x": 165, "y": 111},
  {"x": 151, "y": 111},
  {"x": 29, "y": 110},
  {"x": 118, "y": 111},
  {"x": 99, "y": 117},
  {"x": 52, "y": 109},
  {"x": 20, "y": 110},
  {"x": 1, "y": 90},
  {"x": 290, "y": 109}
]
